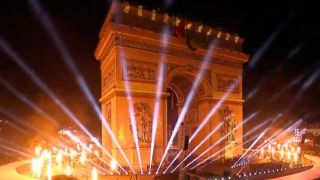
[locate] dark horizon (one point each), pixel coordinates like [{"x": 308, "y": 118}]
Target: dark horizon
[{"x": 292, "y": 28}]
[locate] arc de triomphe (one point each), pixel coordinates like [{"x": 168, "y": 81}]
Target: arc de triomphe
[{"x": 131, "y": 48}]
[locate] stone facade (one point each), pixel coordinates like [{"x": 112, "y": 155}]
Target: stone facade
[{"x": 130, "y": 58}]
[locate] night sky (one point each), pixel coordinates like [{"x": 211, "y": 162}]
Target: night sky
[{"x": 282, "y": 38}]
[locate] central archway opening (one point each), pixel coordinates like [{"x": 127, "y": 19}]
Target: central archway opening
[
  {"x": 178, "y": 90},
  {"x": 172, "y": 114}
]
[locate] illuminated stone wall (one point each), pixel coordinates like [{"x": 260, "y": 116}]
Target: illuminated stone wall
[{"x": 132, "y": 55}]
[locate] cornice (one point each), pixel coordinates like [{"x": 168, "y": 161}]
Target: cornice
[
  {"x": 136, "y": 93},
  {"x": 117, "y": 39}
]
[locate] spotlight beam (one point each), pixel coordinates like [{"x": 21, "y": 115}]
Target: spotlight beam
[
  {"x": 280, "y": 114},
  {"x": 217, "y": 142},
  {"x": 175, "y": 158},
  {"x": 292, "y": 83},
  {"x": 8, "y": 145},
  {"x": 18, "y": 129},
  {"x": 212, "y": 111},
  {"x": 203, "y": 160},
  {"x": 15, "y": 151},
  {"x": 207, "y": 150},
  {"x": 259, "y": 137},
  {"x": 200, "y": 144},
  {"x": 206, "y": 119},
  {"x": 24, "y": 99},
  {"x": 108, "y": 154},
  {"x": 131, "y": 114},
  {"x": 278, "y": 135},
  {"x": 244, "y": 122},
  {"x": 258, "y": 127},
  {"x": 77, "y": 140},
  {"x": 159, "y": 87},
  {"x": 49, "y": 26},
  {"x": 250, "y": 147},
  {"x": 315, "y": 75},
  {"x": 290, "y": 128},
  {"x": 210, "y": 114},
  {"x": 26, "y": 125},
  {"x": 271, "y": 38},
  {"x": 101, "y": 169},
  {"x": 13, "y": 117},
  {"x": 246, "y": 142},
  {"x": 18, "y": 61},
  {"x": 188, "y": 101},
  {"x": 204, "y": 165},
  {"x": 264, "y": 80}
]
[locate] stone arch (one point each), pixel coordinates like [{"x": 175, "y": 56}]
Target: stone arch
[
  {"x": 179, "y": 79},
  {"x": 177, "y": 92},
  {"x": 189, "y": 72}
]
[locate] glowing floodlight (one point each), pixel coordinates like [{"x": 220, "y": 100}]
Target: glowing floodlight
[
  {"x": 39, "y": 165},
  {"x": 37, "y": 150},
  {"x": 281, "y": 154},
  {"x": 68, "y": 171},
  {"x": 59, "y": 157},
  {"x": 94, "y": 174},
  {"x": 49, "y": 168},
  {"x": 83, "y": 157},
  {"x": 113, "y": 165},
  {"x": 288, "y": 155},
  {"x": 154, "y": 15},
  {"x": 34, "y": 165},
  {"x": 295, "y": 157},
  {"x": 278, "y": 146},
  {"x": 127, "y": 8},
  {"x": 262, "y": 152},
  {"x": 272, "y": 152}
]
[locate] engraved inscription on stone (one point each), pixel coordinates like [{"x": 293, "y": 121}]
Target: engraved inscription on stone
[
  {"x": 226, "y": 83},
  {"x": 137, "y": 71}
]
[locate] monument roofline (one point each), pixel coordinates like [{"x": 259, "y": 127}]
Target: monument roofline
[
  {"x": 123, "y": 36},
  {"x": 196, "y": 35}
]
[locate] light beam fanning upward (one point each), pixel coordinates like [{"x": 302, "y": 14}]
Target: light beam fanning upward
[
  {"x": 188, "y": 101},
  {"x": 49, "y": 26},
  {"x": 162, "y": 67},
  {"x": 131, "y": 113},
  {"x": 24, "y": 99}
]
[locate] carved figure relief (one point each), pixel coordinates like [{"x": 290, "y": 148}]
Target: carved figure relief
[
  {"x": 192, "y": 116},
  {"x": 226, "y": 83},
  {"x": 229, "y": 124},
  {"x": 137, "y": 71},
  {"x": 143, "y": 122}
]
